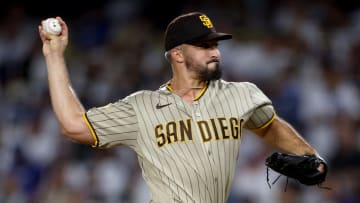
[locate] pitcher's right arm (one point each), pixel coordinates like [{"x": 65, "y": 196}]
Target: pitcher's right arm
[{"x": 66, "y": 105}]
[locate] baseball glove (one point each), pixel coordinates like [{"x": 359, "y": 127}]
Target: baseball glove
[{"x": 303, "y": 168}]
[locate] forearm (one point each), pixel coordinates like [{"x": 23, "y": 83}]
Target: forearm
[
  {"x": 283, "y": 136},
  {"x": 66, "y": 105}
]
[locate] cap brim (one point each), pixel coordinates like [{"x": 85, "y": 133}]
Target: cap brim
[{"x": 217, "y": 36}]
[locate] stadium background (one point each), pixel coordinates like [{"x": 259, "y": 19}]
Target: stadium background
[{"x": 305, "y": 55}]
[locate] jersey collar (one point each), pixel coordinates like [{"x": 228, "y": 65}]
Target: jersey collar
[{"x": 168, "y": 87}]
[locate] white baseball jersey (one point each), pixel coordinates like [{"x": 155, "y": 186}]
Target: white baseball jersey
[{"x": 187, "y": 152}]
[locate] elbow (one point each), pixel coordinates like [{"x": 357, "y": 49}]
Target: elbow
[
  {"x": 69, "y": 132},
  {"x": 77, "y": 131},
  {"x": 66, "y": 131},
  {"x": 69, "y": 128}
]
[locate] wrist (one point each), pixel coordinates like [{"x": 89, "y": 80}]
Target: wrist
[{"x": 54, "y": 58}]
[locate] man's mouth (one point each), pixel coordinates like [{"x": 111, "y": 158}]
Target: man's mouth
[{"x": 214, "y": 61}]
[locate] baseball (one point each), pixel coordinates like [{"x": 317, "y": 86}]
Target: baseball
[{"x": 52, "y": 26}]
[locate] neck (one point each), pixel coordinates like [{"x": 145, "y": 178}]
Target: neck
[
  {"x": 187, "y": 84},
  {"x": 189, "y": 90}
]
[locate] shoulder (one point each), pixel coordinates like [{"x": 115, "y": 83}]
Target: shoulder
[
  {"x": 223, "y": 84},
  {"x": 245, "y": 90},
  {"x": 139, "y": 95}
]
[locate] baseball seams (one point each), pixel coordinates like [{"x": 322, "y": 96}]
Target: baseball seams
[{"x": 187, "y": 152}]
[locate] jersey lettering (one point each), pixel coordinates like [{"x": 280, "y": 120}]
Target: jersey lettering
[
  {"x": 204, "y": 130},
  {"x": 174, "y": 131},
  {"x": 210, "y": 130}
]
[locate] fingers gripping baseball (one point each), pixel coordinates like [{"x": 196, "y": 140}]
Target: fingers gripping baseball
[
  {"x": 52, "y": 26},
  {"x": 54, "y": 38}
]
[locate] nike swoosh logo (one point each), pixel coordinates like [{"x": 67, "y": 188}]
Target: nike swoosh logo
[{"x": 160, "y": 106}]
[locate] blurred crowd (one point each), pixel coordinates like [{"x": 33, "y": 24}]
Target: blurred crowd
[{"x": 305, "y": 55}]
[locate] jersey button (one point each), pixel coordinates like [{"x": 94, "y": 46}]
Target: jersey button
[{"x": 198, "y": 114}]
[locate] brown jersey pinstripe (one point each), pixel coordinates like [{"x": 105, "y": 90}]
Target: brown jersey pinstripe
[{"x": 187, "y": 152}]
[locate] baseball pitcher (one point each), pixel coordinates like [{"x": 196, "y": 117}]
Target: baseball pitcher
[{"x": 187, "y": 133}]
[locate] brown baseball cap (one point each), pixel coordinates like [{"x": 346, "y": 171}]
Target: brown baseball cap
[{"x": 190, "y": 28}]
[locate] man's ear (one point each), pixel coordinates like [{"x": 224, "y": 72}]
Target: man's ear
[{"x": 177, "y": 54}]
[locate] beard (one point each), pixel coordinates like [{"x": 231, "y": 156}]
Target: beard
[
  {"x": 204, "y": 73},
  {"x": 210, "y": 74}
]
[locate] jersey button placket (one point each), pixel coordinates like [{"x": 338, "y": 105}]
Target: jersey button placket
[
  {"x": 210, "y": 155},
  {"x": 196, "y": 110}
]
